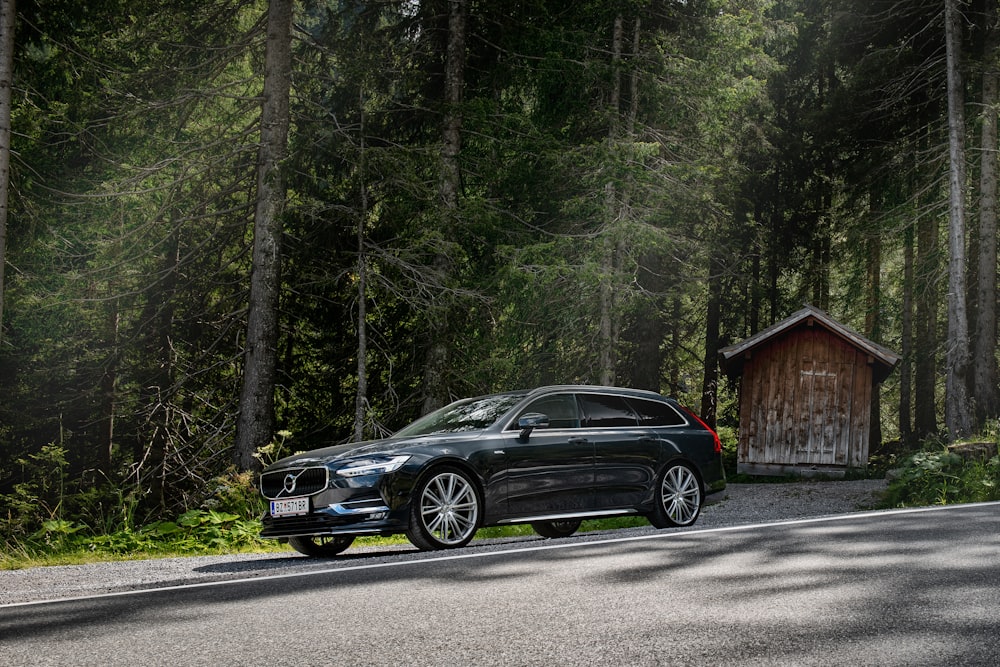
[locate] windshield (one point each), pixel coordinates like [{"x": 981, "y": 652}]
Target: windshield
[{"x": 472, "y": 414}]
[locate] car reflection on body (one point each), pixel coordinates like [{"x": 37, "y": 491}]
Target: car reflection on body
[{"x": 550, "y": 457}]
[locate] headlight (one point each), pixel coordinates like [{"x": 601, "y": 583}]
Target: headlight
[{"x": 373, "y": 466}]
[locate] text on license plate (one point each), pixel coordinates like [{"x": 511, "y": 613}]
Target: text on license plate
[{"x": 290, "y": 507}]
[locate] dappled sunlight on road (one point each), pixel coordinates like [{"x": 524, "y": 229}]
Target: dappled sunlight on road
[{"x": 904, "y": 588}]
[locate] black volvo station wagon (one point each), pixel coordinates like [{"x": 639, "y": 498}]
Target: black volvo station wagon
[{"x": 550, "y": 457}]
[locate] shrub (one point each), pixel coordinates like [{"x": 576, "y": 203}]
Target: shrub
[
  {"x": 940, "y": 477},
  {"x": 39, "y": 497},
  {"x": 235, "y": 493},
  {"x": 46, "y": 522}
]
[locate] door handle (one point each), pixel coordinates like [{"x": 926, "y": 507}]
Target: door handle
[{"x": 578, "y": 441}]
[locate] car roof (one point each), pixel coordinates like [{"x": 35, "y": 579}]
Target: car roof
[
  {"x": 597, "y": 389},
  {"x": 577, "y": 388}
]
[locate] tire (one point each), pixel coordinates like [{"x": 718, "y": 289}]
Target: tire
[
  {"x": 444, "y": 510},
  {"x": 679, "y": 497},
  {"x": 555, "y": 528},
  {"x": 321, "y": 546}
]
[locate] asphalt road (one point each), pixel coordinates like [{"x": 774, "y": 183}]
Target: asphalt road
[{"x": 889, "y": 588}]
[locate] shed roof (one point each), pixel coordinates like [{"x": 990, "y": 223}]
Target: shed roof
[{"x": 884, "y": 359}]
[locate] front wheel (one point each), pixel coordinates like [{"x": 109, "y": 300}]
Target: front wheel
[
  {"x": 321, "y": 546},
  {"x": 555, "y": 528},
  {"x": 444, "y": 512},
  {"x": 678, "y": 497}
]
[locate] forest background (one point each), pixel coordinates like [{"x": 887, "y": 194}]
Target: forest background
[{"x": 238, "y": 228}]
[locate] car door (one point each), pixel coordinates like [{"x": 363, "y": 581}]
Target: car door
[
  {"x": 551, "y": 470},
  {"x": 625, "y": 454}
]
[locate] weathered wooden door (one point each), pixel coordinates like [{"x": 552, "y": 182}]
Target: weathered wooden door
[{"x": 816, "y": 440}]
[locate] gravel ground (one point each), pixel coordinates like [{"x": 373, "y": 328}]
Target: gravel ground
[{"x": 739, "y": 504}]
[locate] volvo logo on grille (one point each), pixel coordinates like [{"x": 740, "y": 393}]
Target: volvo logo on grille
[{"x": 294, "y": 482}]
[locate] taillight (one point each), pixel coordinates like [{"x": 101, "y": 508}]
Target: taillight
[{"x": 715, "y": 436}]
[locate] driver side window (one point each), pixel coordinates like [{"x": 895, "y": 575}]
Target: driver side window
[{"x": 561, "y": 410}]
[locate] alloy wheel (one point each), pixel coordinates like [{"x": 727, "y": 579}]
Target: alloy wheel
[
  {"x": 448, "y": 509},
  {"x": 680, "y": 495}
]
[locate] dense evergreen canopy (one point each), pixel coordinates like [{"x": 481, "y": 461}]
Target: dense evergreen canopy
[{"x": 474, "y": 196}]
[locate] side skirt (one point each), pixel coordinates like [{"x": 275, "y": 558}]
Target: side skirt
[{"x": 567, "y": 515}]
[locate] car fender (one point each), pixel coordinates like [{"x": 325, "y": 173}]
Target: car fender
[
  {"x": 410, "y": 476},
  {"x": 669, "y": 460}
]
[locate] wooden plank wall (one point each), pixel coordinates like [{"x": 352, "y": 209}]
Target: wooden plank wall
[{"x": 805, "y": 401}]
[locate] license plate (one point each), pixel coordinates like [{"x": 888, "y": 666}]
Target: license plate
[{"x": 290, "y": 507}]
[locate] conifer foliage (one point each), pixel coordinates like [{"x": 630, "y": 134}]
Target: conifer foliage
[{"x": 237, "y": 229}]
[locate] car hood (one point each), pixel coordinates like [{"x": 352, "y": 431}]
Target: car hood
[{"x": 415, "y": 445}]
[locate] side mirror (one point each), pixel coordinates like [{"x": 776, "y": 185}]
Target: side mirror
[{"x": 530, "y": 421}]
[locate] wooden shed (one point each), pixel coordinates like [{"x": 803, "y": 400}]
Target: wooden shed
[{"x": 805, "y": 395}]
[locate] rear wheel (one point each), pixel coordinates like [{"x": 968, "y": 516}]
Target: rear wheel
[
  {"x": 321, "y": 546},
  {"x": 555, "y": 528},
  {"x": 678, "y": 497},
  {"x": 444, "y": 512}
]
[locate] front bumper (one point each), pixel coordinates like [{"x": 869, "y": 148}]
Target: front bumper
[
  {"x": 336, "y": 519},
  {"x": 366, "y": 505}
]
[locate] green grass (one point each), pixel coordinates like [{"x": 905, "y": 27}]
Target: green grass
[
  {"x": 18, "y": 559},
  {"x": 115, "y": 547}
]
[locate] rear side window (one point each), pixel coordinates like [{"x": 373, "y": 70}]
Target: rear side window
[
  {"x": 561, "y": 409},
  {"x": 655, "y": 413},
  {"x": 601, "y": 410}
]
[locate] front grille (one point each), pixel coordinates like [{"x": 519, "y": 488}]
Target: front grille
[
  {"x": 312, "y": 524},
  {"x": 292, "y": 482}
]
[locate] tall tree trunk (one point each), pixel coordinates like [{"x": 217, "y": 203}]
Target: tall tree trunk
[
  {"x": 159, "y": 378},
  {"x": 606, "y": 327},
  {"x": 361, "y": 398},
  {"x": 648, "y": 329},
  {"x": 633, "y": 108},
  {"x": 7, "y": 18},
  {"x": 873, "y": 329},
  {"x": 926, "y": 293},
  {"x": 710, "y": 365},
  {"x": 755, "y": 283},
  {"x": 926, "y": 329},
  {"x": 255, "y": 426},
  {"x": 906, "y": 351},
  {"x": 436, "y": 391},
  {"x": 985, "y": 375},
  {"x": 958, "y": 413},
  {"x": 109, "y": 387},
  {"x": 451, "y": 176},
  {"x": 675, "y": 383},
  {"x": 648, "y": 324},
  {"x": 774, "y": 272}
]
